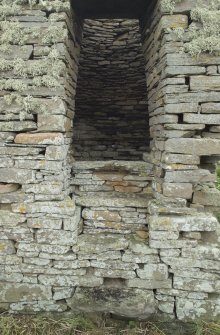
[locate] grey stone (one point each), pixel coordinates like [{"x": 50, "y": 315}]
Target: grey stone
[
  {"x": 193, "y": 146},
  {"x": 24, "y": 292},
  {"x": 13, "y": 175},
  {"x": 121, "y": 302},
  {"x": 180, "y": 190}
]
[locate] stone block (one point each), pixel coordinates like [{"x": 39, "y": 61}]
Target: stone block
[
  {"x": 48, "y": 122},
  {"x": 9, "y": 219},
  {"x": 202, "y": 118},
  {"x": 186, "y": 223},
  {"x": 18, "y": 176},
  {"x": 189, "y": 263},
  {"x": 210, "y": 108},
  {"x": 191, "y": 309},
  {"x": 193, "y": 146},
  {"x": 179, "y": 190},
  {"x": 90, "y": 243},
  {"x": 148, "y": 284},
  {"x": 120, "y": 301},
  {"x": 171, "y": 22},
  {"x": 65, "y": 207},
  {"x": 8, "y": 188},
  {"x": 54, "y": 187},
  {"x": 180, "y": 159},
  {"x": 73, "y": 223},
  {"x": 141, "y": 247},
  {"x": 202, "y": 252},
  {"x": 108, "y": 199},
  {"x": 210, "y": 197},
  {"x": 183, "y": 70},
  {"x": 57, "y": 153},
  {"x": 44, "y": 223},
  {"x": 18, "y": 126},
  {"x": 155, "y": 272},
  {"x": 59, "y": 237},
  {"x": 101, "y": 215},
  {"x": 24, "y": 292},
  {"x": 205, "y": 83},
  {"x": 7, "y": 247},
  {"x": 196, "y": 285},
  {"x": 40, "y": 138},
  {"x": 15, "y": 51},
  {"x": 71, "y": 281},
  {"x": 189, "y": 176},
  {"x": 114, "y": 273}
]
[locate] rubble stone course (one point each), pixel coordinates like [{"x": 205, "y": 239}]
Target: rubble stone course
[{"x": 132, "y": 237}]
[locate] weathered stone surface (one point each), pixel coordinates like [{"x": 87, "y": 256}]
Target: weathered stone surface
[
  {"x": 196, "y": 285},
  {"x": 205, "y": 83},
  {"x": 8, "y": 188},
  {"x": 65, "y": 207},
  {"x": 61, "y": 293},
  {"x": 180, "y": 159},
  {"x": 203, "y": 252},
  {"x": 101, "y": 215},
  {"x": 64, "y": 280},
  {"x": 40, "y": 138},
  {"x": 7, "y": 247},
  {"x": 110, "y": 199},
  {"x": 180, "y": 262},
  {"x": 200, "y": 222},
  {"x": 44, "y": 223},
  {"x": 189, "y": 176},
  {"x": 18, "y": 176},
  {"x": 154, "y": 272},
  {"x": 105, "y": 243},
  {"x": 149, "y": 284},
  {"x": 180, "y": 190},
  {"x": 123, "y": 302},
  {"x": 139, "y": 247},
  {"x": 54, "y": 187},
  {"x": 47, "y": 122},
  {"x": 59, "y": 237},
  {"x": 168, "y": 21},
  {"x": 10, "y": 219},
  {"x": 16, "y": 51},
  {"x": 24, "y": 292},
  {"x": 189, "y": 309},
  {"x": 114, "y": 273},
  {"x": 193, "y": 146},
  {"x": 212, "y": 108},
  {"x": 207, "y": 197},
  {"x": 18, "y": 126},
  {"x": 202, "y": 118}
]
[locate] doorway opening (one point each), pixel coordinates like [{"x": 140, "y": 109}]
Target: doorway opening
[{"x": 111, "y": 119}]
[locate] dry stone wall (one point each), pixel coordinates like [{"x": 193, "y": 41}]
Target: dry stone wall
[{"x": 135, "y": 239}]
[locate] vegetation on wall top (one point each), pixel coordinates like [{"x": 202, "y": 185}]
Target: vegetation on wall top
[{"x": 203, "y": 34}]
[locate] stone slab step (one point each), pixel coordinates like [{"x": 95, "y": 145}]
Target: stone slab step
[
  {"x": 113, "y": 165},
  {"x": 112, "y": 199}
]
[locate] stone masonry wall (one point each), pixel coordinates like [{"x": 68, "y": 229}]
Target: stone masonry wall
[
  {"x": 134, "y": 239},
  {"x": 184, "y": 106},
  {"x": 111, "y": 119}
]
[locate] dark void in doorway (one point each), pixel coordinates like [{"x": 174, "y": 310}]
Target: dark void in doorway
[{"x": 111, "y": 118}]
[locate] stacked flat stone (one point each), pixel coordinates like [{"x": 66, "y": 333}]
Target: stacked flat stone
[
  {"x": 68, "y": 241},
  {"x": 183, "y": 108},
  {"x": 111, "y": 99}
]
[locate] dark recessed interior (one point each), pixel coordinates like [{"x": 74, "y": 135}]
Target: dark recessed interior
[
  {"x": 134, "y": 9},
  {"x": 111, "y": 119}
]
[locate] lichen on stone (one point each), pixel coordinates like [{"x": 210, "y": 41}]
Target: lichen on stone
[{"x": 169, "y": 5}]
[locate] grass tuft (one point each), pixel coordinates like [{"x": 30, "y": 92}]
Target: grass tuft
[{"x": 79, "y": 325}]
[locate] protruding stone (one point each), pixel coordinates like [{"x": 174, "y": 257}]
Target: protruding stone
[{"x": 40, "y": 138}]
